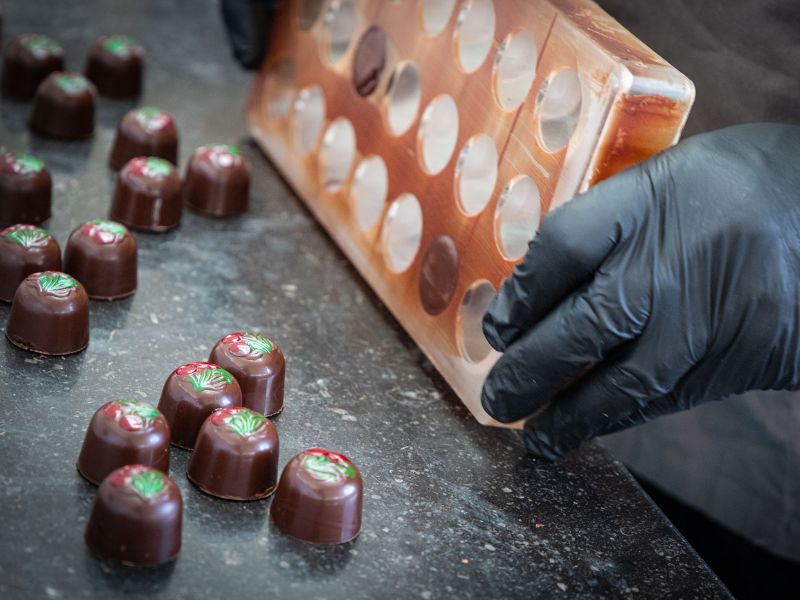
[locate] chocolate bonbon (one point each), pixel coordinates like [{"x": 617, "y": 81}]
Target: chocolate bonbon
[
  {"x": 102, "y": 256},
  {"x": 137, "y": 517},
  {"x": 28, "y": 60},
  {"x": 115, "y": 65},
  {"x": 319, "y": 498},
  {"x": 25, "y": 249},
  {"x": 124, "y": 432},
  {"x": 236, "y": 455},
  {"x": 145, "y": 131},
  {"x": 191, "y": 393},
  {"x": 26, "y": 190},
  {"x": 217, "y": 181},
  {"x": 369, "y": 61},
  {"x": 148, "y": 195},
  {"x": 49, "y": 314},
  {"x": 258, "y": 365},
  {"x": 64, "y": 106}
]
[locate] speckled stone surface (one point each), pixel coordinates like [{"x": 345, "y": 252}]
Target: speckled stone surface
[{"x": 452, "y": 510}]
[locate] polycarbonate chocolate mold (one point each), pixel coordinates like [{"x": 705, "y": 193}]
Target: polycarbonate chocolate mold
[{"x": 432, "y": 159}]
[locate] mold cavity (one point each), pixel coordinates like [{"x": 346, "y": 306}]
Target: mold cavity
[
  {"x": 517, "y": 216},
  {"x": 279, "y": 89},
  {"x": 515, "y": 69},
  {"x": 309, "y": 117},
  {"x": 438, "y": 275},
  {"x": 340, "y": 22},
  {"x": 405, "y": 94},
  {"x": 370, "y": 186},
  {"x": 308, "y": 13},
  {"x": 337, "y": 154},
  {"x": 474, "y": 33},
  {"x": 436, "y": 15},
  {"x": 472, "y": 342},
  {"x": 559, "y": 109},
  {"x": 369, "y": 61},
  {"x": 402, "y": 232},
  {"x": 438, "y": 133},
  {"x": 476, "y": 174}
]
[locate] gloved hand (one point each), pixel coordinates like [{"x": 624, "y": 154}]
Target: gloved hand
[
  {"x": 247, "y": 23},
  {"x": 673, "y": 283}
]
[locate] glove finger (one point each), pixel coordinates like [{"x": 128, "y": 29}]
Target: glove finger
[
  {"x": 246, "y": 21},
  {"x": 638, "y": 385},
  {"x": 581, "y": 331},
  {"x": 570, "y": 246}
]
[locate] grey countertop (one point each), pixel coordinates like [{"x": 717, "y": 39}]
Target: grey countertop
[{"x": 451, "y": 509}]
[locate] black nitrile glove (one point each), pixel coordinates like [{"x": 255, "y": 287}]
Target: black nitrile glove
[
  {"x": 673, "y": 283},
  {"x": 247, "y": 23}
]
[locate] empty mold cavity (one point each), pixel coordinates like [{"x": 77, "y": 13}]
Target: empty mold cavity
[
  {"x": 279, "y": 85},
  {"x": 476, "y": 174},
  {"x": 402, "y": 232},
  {"x": 405, "y": 94},
  {"x": 476, "y": 301},
  {"x": 559, "y": 109},
  {"x": 474, "y": 33},
  {"x": 369, "y": 190},
  {"x": 436, "y": 15},
  {"x": 515, "y": 69},
  {"x": 517, "y": 216},
  {"x": 438, "y": 275},
  {"x": 340, "y": 23},
  {"x": 337, "y": 154},
  {"x": 438, "y": 133},
  {"x": 309, "y": 117},
  {"x": 308, "y": 12},
  {"x": 369, "y": 61}
]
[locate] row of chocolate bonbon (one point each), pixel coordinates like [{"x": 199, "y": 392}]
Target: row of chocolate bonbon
[
  {"x": 101, "y": 254},
  {"x": 115, "y": 65}
]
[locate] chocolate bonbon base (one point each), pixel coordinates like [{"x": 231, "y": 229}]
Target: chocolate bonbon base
[
  {"x": 49, "y": 315},
  {"x": 236, "y": 455},
  {"x": 102, "y": 255},
  {"x": 137, "y": 517},
  {"x": 124, "y": 432},
  {"x": 191, "y": 393},
  {"x": 319, "y": 498}
]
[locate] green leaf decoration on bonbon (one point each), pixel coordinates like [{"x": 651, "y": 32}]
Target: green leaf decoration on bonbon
[
  {"x": 148, "y": 483},
  {"x": 27, "y": 236},
  {"x": 56, "y": 284},
  {"x": 205, "y": 379}
]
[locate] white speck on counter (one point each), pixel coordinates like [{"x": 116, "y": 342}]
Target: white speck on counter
[
  {"x": 562, "y": 586},
  {"x": 153, "y": 319},
  {"x": 489, "y": 547},
  {"x": 52, "y": 592}
]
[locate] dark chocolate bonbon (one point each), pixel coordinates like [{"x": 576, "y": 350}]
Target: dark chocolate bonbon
[
  {"x": 258, "y": 365},
  {"x": 319, "y": 498},
  {"x": 25, "y": 249},
  {"x": 137, "y": 517},
  {"x": 236, "y": 455},
  {"x": 49, "y": 314}
]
